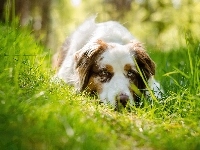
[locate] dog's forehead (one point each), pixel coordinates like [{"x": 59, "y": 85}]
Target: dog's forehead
[{"x": 117, "y": 55}]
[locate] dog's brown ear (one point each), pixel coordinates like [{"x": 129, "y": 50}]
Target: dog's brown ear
[
  {"x": 145, "y": 63},
  {"x": 85, "y": 58}
]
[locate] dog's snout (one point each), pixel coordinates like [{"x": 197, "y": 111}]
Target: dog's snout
[{"x": 123, "y": 98}]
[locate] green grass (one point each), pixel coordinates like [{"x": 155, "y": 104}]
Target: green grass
[{"x": 38, "y": 114}]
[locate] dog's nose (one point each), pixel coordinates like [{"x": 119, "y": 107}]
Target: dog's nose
[{"x": 123, "y": 98}]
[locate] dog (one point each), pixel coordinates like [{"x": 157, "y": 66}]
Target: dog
[{"x": 106, "y": 59}]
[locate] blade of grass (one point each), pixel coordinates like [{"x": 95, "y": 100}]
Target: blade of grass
[
  {"x": 181, "y": 72},
  {"x": 189, "y": 42},
  {"x": 145, "y": 82}
]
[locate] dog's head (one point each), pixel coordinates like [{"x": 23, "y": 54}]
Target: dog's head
[{"x": 110, "y": 69}]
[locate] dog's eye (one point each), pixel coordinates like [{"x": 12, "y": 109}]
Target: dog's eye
[
  {"x": 130, "y": 74},
  {"x": 105, "y": 75}
]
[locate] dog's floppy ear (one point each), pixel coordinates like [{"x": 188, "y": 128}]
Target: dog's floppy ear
[
  {"x": 145, "y": 63},
  {"x": 85, "y": 58}
]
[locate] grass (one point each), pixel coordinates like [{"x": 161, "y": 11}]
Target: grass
[{"x": 38, "y": 114}]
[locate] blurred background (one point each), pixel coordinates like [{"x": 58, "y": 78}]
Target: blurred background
[{"x": 160, "y": 24}]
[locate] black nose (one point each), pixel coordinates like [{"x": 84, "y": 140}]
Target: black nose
[{"x": 123, "y": 98}]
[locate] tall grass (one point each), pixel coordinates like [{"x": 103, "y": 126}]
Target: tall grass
[{"x": 38, "y": 114}]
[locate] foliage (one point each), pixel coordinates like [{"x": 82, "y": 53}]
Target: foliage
[
  {"x": 161, "y": 24},
  {"x": 38, "y": 114}
]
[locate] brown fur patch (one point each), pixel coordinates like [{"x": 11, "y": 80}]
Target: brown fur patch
[
  {"x": 127, "y": 67},
  {"x": 103, "y": 44},
  {"x": 145, "y": 64},
  {"x": 85, "y": 59},
  {"x": 143, "y": 60},
  {"x": 94, "y": 86},
  {"x": 109, "y": 68}
]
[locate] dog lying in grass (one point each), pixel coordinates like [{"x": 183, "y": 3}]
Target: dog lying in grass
[{"x": 105, "y": 59}]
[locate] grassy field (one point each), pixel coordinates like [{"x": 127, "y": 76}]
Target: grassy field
[{"x": 38, "y": 114}]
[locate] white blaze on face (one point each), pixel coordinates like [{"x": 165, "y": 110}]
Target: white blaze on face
[{"x": 118, "y": 57}]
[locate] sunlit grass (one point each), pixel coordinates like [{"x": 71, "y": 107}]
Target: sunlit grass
[{"x": 38, "y": 114}]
